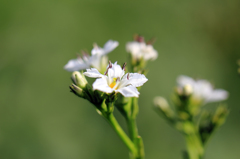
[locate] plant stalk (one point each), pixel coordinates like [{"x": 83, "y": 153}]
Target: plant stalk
[
  {"x": 130, "y": 145},
  {"x": 194, "y": 146},
  {"x": 133, "y": 131}
]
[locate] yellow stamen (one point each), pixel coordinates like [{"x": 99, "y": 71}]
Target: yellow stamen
[{"x": 113, "y": 83}]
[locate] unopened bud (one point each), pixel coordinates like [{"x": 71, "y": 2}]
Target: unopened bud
[
  {"x": 99, "y": 112},
  {"x": 79, "y": 79},
  {"x": 161, "y": 102},
  {"x": 220, "y": 115},
  {"x": 187, "y": 90},
  {"x": 76, "y": 90}
]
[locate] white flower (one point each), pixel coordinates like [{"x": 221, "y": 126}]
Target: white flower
[
  {"x": 202, "y": 89},
  {"x": 80, "y": 63},
  {"x": 97, "y": 56},
  {"x": 141, "y": 50},
  {"x": 114, "y": 80}
]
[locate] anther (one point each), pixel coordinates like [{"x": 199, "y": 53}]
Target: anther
[
  {"x": 110, "y": 64},
  {"x": 124, "y": 65},
  {"x": 140, "y": 39},
  {"x": 128, "y": 76},
  {"x": 118, "y": 79}
]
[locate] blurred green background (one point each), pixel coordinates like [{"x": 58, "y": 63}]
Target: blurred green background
[{"x": 41, "y": 119}]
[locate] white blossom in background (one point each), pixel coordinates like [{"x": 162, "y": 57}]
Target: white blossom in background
[
  {"x": 97, "y": 57},
  {"x": 115, "y": 80},
  {"x": 140, "y": 49},
  {"x": 80, "y": 63},
  {"x": 202, "y": 89}
]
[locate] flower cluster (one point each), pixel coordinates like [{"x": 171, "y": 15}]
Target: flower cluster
[
  {"x": 114, "y": 87},
  {"x": 189, "y": 96}
]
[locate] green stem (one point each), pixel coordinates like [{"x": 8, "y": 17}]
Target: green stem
[
  {"x": 133, "y": 131},
  {"x": 113, "y": 122},
  {"x": 194, "y": 146},
  {"x": 137, "y": 140}
]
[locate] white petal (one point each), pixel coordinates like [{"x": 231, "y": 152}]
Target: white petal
[
  {"x": 135, "y": 79},
  {"x": 203, "y": 89},
  {"x": 116, "y": 71},
  {"x": 76, "y": 65},
  {"x": 133, "y": 47},
  {"x": 109, "y": 46},
  {"x": 150, "y": 53},
  {"x": 93, "y": 72},
  {"x": 97, "y": 50},
  {"x": 129, "y": 91},
  {"x": 217, "y": 95},
  {"x": 95, "y": 61},
  {"x": 183, "y": 80},
  {"x": 101, "y": 85}
]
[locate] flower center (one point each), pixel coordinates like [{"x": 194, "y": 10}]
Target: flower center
[{"x": 113, "y": 83}]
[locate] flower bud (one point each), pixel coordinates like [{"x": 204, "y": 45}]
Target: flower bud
[
  {"x": 76, "y": 90},
  {"x": 187, "y": 90},
  {"x": 162, "y": 104},
  {"x": 79, "y": 79},
  {"x": 220, "y": 115}
]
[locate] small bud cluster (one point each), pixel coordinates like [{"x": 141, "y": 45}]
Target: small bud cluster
[
  {"x": 81, "y": 88},
  {"x": 141, "y": 52},
  {"x": 188, "y": 99},
  {"x": 209, "y": 122}
]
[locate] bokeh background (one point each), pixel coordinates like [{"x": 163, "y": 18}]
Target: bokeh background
[{"x": 41, "y": 119}]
